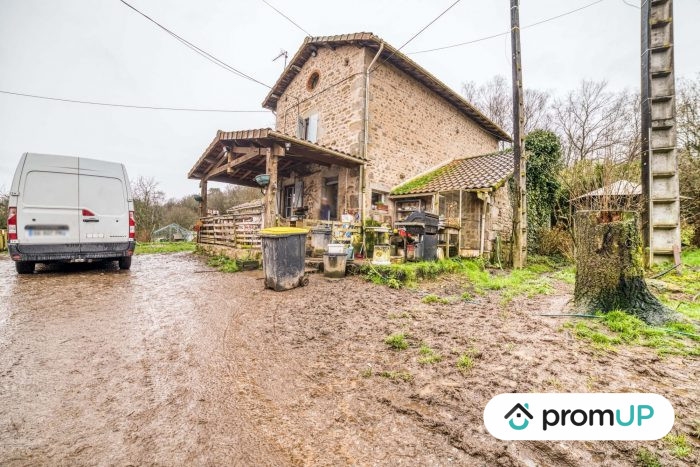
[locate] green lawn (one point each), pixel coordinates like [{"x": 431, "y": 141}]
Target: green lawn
[{"x": 163, "y": 247}]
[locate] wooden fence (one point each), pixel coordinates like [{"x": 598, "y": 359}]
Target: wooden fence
[{"x": 241, "y": 230}]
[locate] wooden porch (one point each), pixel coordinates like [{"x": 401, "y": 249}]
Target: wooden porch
[{"x": 238, "y": 157}]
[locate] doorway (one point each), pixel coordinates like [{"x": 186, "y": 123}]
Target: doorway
[{"x": 329, "y": 199}]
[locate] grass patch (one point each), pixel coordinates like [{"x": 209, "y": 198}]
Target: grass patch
[
  {"x": 397, "y": 375},
  {"x": 646, "y": 458},
  {"x": 428, "y": 355},
  {"x": 618, "y": 328},
  {"x": 568, "y": 275},
  {"x": 679, "y": 445},
  {"x": 397, "y": 341},
  {"x": 530, "y": 281},
  {"x": 691, "y": 257},
  {"x": 150, "y": 248},
  {"x": 432, "y": 298},
  {"x": 223, "y": 264},
  {"x": 465, "y": 363}
]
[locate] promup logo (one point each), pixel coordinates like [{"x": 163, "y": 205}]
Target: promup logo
[
  {"x": 519, "y": 412},
  {"x": 628, "y": 416}
]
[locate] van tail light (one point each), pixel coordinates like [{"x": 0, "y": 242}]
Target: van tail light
[
  {"x": 88, "y": 213},
  {"x": 12, "y": 224},
  {"x": 132, "y": 225}
]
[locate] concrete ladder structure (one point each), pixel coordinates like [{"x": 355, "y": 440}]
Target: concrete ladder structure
[{"x": 660, "y": 189}]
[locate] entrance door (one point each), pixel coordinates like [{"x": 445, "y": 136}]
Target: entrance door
[{"x": 329, "y": 199}]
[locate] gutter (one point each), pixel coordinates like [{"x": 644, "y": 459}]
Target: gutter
[{"x": 365, "y": 136}]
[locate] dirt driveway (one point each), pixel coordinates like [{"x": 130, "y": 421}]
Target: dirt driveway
[{"x": 173, "y": 363}]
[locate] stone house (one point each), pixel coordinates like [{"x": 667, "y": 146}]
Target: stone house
[{"x": 357, "y": 120}]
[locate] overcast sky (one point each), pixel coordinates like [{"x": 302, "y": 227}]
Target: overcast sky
[{"x": 99, "y": 50}]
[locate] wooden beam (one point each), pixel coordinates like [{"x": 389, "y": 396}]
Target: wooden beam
[
  {"x": 203, "y": 193},
  {"x": 270, "y": 211}
]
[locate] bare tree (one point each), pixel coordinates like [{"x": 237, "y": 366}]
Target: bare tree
[
  {"x": 4, "y": 199},
  {"x": 688, "y": 115},
  {"x": 494, "y": 99},
  {"x": 148, "y": 202},
  {"x": 590, "y": 121}
]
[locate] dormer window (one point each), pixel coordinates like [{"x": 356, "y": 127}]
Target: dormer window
[{"x": 313, "y": 81}]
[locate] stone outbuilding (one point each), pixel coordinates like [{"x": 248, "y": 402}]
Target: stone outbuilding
[{"x": 356, "y": 119}]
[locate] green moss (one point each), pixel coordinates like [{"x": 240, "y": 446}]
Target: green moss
[{"x": 420, "y": 182}]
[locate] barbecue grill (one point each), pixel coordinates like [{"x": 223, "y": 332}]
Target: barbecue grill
[{"x": 423, "y": 227}]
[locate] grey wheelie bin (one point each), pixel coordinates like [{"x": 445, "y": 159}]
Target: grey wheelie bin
[{"x": 283, "y": 251}]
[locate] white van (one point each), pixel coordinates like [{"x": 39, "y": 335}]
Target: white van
[{"x": 65, "y": 208}]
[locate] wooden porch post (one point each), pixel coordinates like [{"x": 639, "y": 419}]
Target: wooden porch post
[
  {"x": 271, "y": 161},
  {"x": 203, "y": 194}
]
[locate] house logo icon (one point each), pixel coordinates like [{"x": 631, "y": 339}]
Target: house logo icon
[{"x": 519, "y": 412}]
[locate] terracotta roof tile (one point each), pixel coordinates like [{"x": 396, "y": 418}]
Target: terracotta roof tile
[{"x": 470, "y": 173}]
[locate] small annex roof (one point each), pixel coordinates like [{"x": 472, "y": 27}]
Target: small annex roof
[
  {"x": 469, "y": 173},
  {"x": 618, "y": 188},
  {"x": 393, "y": 56}
]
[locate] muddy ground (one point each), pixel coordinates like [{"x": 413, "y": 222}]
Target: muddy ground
[{"x": 173, "y": 363}]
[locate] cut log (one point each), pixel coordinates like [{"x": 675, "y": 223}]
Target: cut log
[{"x": 609, "y": 267}]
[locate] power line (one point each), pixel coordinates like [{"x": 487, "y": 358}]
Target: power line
[
  {"x": 196, "y": 49},
  {"x": 631, "y": 4},
  {"x": 128, "y": 106},
  {"x": 417, "y": 34},
  {"x": 546, "y": 20},
  {"x": 288, "y": 18}
]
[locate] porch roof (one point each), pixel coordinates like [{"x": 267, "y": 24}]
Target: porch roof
[
  {"x": 468, "y": 173},
  {"x": 248, "y": 149}
]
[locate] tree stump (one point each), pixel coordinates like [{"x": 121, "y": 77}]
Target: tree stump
[{"x": 610, "y": 266}]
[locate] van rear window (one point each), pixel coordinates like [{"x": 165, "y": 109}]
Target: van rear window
[
  {"x": 102, "y": 195},
  {"x": 50, "y": 189}
]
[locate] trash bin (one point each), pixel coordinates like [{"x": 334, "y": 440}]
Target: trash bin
[
  {"x": 320, "y": 237},
  {"x": 283, "y": 257},
  {"x": 334, "y": 264}
]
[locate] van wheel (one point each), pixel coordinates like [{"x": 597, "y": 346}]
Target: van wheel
[
  {"x": 24, "y": 267},
  {"x": 125, "y": 262}
]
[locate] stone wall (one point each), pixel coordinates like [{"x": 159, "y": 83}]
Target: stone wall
[
  {"x": 499, "y": 218},
  {"x": 412, "y": 129},
  {"x": 340, "y": 108},
  {"x": 313, "y": 178}
]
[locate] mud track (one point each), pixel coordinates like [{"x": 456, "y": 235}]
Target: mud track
[{"x": 172, "y": 363}]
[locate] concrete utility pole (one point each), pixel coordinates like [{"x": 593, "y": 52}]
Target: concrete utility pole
[
  {"x": 661, "y": 207},
  {"x": 519, "y": 247}
]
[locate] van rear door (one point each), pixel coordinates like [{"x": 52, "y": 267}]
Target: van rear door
[
  {"x": 104, "y": 213},
  {"x": 47, "y": 211}
]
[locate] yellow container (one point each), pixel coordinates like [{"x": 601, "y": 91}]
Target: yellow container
[{"x": 381, "y": 255}]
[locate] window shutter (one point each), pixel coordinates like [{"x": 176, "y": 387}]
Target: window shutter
[
  {"x": 301, "y": 130},
  {"x": 299, "y": 194},
  {"x": 312, "y": 130}
]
